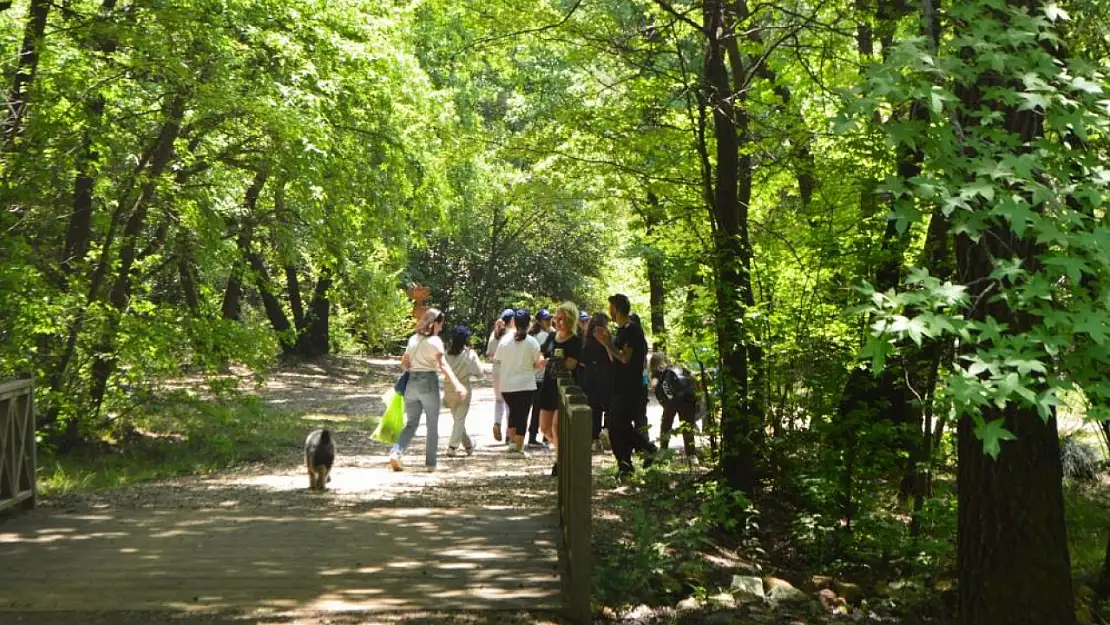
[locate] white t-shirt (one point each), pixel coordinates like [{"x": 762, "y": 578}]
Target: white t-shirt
[
  {"x": 518, "y": 363},
  {"x": 422, "y": 351}
]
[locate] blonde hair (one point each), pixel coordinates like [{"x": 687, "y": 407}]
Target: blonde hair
[
  {"x": 571, "y": 312},
  {"x": 428, "y": 322}
]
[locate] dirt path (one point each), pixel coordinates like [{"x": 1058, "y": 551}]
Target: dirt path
[{"x": 470, "y": 543}]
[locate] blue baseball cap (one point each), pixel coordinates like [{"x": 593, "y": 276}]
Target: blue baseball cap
[
  {"x": 463, "y": 331},
  {"x": 521, "y": 317},
  {"x": 507, "y": 314},
  {"x": 543, "y": 314}
]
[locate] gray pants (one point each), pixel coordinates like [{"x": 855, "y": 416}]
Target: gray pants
[
  {"x": 458, "y": 431},
  {"x": 421, "y": 396}
]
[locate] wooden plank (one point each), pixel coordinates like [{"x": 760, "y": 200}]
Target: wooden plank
[
  {"x": 381, "y": 559},
  {"x": 19, "y": 498},
  {"x": 33, "y": 460},
  {"x": 18, "y": 456},
  {"x": 7, "y": 488},
  {"x": 25, "y": 430},
  {"x": 575, "y": 488},
  {"x": 11, "y": 388},
  {"x": 578, "y": 518}
]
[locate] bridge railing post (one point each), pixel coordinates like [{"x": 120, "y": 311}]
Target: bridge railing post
[
  {"x": 575, "y": 491},
  {"x": 17, "y": 444}
]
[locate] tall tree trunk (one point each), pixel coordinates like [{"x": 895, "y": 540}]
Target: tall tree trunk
[
  {"x": 104, "y": 361},
  {"x": 270, "y": 303},
  {"x": 187, "y": 274},
  {"x": 79, "y": 231},
  {"x": 739, "y": 433},
  {"x": 314, "y": 340},
  {"x": 1012, "y": 557},
  {"x": 865, "y": 397},
  {"x": 656, "y": 292},
  {"x": 293, "y": 285},
  {"x": 59, "y": 368},
  {"x": 233, "y": 292},
  {"x": 27, "y": 66}
]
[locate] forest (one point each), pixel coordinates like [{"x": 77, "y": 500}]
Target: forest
[{"x": 874, "y": 227}]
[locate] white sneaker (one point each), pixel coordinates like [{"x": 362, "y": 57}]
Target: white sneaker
[{"x": 452, "y": 452}]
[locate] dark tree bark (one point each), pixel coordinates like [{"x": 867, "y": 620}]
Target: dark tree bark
[
  {"x": 233, "y": 292},
  {"x": 79, "y": 231},
  {"x": 1013, "y": 560},
  {"x": 314, "y": 340},
  {"x": 19, "y": 92},
  {"x": 656, "y": 291},
  {"x": 293, "y": 285},
  {"x": 740, "y": 432},
  {"x": 270, "y": 303},
  {"x": 187, "y": 274},
  {"x": 104, "y": 363}
]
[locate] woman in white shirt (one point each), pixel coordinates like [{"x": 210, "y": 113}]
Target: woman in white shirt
[
  {"x": 520, "y": 357},
  {"x": 424, "y": 361}
]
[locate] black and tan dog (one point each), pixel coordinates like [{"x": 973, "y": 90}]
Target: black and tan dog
[{"x": 319, "y": 455}]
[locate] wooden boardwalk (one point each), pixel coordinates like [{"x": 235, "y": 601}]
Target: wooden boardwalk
[
  {"x": 255, "y": 546},
  {"x": 186, "y": 560}
]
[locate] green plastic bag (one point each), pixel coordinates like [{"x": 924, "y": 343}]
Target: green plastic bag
[{"x": 393, "y": 421}]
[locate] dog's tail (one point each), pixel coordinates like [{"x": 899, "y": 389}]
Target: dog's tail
[{"x": 325, "y": 437}]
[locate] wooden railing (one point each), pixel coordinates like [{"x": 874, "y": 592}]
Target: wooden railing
[
  {"x": 575, "y": 492},
  {"x": 17, "y": 444}
]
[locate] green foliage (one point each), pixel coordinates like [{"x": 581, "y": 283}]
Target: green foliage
[
  {"x": 1088, "y": 518},
  {"x": 654, "y": 554},
  {"x": 276, "y": 150},
  {"x": 1047, "y": 191}
]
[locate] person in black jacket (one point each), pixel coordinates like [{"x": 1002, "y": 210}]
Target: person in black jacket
[
  {"x": 677, "y": 392},
  {"x": 597, "y": 375},
  {"x": 628, "y": 351}
]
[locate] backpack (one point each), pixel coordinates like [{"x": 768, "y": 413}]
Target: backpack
[{"x": 677, "y": 383}]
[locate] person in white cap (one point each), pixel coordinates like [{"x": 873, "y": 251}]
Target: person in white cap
[{"x": 520, "y": 357}]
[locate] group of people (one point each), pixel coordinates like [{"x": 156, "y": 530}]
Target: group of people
[{"x": 527, "y": 354}]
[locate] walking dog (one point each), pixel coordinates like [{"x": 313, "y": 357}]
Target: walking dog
[{"x": 319, "y": 455}]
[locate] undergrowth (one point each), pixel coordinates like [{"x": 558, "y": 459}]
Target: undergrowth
[
  {"x": 650, "y": 538},
  {"x": 176, "y": 433}
]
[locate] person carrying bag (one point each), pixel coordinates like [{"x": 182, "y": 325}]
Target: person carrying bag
[{"x": 424, "y": 361}]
